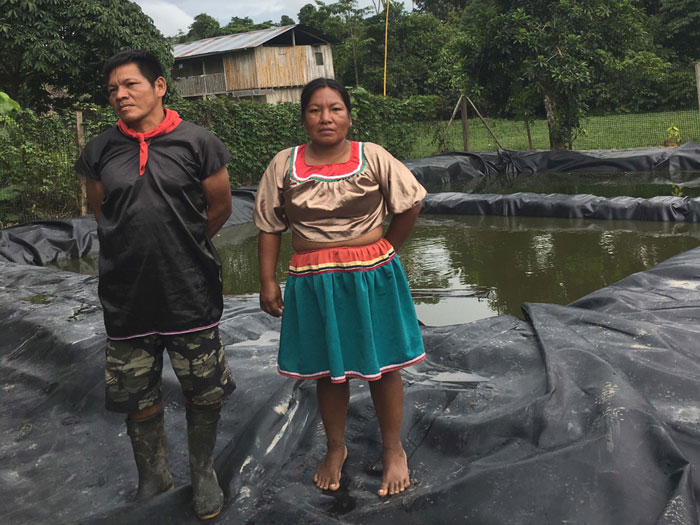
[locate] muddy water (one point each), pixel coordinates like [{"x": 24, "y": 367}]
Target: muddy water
[{"x": 463, "y": 268}]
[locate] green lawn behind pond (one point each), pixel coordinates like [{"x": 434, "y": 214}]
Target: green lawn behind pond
[{"x": 602, "y": 132}]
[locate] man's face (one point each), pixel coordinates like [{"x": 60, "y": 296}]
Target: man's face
[{"x": 138, "y": 103}]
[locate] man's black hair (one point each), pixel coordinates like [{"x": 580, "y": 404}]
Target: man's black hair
[
  {"x": 318, "y": 83},
  {"x": 146, "y": 61}
]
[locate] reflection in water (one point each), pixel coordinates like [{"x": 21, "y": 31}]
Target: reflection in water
[
  {"x": 463, "y": 268},
  {"x": 507, "y": 261}
]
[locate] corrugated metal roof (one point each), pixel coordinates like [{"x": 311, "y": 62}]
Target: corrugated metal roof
[{"x": 221, "y": 44}]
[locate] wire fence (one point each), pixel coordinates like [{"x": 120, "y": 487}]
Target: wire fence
[{"x": 662, "y": 129}]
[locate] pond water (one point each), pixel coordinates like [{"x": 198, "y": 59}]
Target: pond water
[
  {"x": 634, "y": 184},
  {"x": 464, "y": 268}
]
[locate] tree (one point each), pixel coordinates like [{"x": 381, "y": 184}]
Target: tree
[
  {"x": 558, "y": 49},
  {"x": 415, "y": 39},
  {"x": 342, "y": 21},
  {"x": 244, "y": 25},
  {"x": 62, "y": 46},
  {"x": 204, "y": 26},
  {"x": 442, "y": 9},
  {"x": 286, "y": 21},
  {"x": 679, "y": 27}
]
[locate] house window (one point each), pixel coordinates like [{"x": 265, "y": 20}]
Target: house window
[{"x": 319, "y": 58}]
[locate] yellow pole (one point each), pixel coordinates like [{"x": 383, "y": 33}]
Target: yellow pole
[{"x": 386, "y": 41}]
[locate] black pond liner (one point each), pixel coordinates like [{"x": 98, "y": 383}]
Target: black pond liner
[{"x": 586, "y": 413}]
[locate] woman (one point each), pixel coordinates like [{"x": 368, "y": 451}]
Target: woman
[{"x": 347, "y": 308}]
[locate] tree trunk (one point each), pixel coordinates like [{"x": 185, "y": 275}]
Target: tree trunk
[
  {"x": 80, "y": 144},
  {"x": 354, "y": 58},
  {"x": 353, "y": 42},
  {"x": 465, "y": 124},
  {"x": 556, "y": 140}
]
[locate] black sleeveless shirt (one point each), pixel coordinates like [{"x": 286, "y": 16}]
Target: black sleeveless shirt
[{"x": 159, "y": 271}]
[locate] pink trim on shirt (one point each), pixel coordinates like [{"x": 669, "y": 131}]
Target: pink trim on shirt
[{"x": 163, "y": 333}]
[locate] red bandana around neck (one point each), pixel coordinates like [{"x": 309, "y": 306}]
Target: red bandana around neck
[{"x": 170, "y": 122}]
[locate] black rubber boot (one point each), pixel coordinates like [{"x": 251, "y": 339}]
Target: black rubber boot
[
  {"x": 151, "y": 455},
  {"x": 208, "y": 497}
]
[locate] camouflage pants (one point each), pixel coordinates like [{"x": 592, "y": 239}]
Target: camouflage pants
[{"x": 134, "y": 366}]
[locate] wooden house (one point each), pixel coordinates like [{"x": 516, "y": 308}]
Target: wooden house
[{"x": 271, "y": 65}]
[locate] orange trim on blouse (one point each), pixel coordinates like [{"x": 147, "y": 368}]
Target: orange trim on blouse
[{"x": 300, "y": 171}]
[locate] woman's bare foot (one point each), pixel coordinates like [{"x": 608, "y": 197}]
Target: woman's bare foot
[
  {"x": 327, "y": 476},
  {"x": 396, "y": 476}
]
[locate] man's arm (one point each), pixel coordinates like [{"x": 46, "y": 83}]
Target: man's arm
[
  {"x": 95, "y": 195},
  {"x": 217, "y": 192}
]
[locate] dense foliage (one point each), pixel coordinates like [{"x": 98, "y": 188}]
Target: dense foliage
[
  {"x": 523, "y": 60},
  {"x": 53, "y": 50},
  {"x": 548, "y": 53}
]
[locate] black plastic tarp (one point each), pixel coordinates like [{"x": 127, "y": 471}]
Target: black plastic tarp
[
  {"x": 662, "y": 208},
  {"x": 46, "y": 242},
  {"x": 453, "y": 166},
  {"x": 587, "y": 413}
]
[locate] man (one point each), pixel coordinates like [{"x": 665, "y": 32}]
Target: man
[{"x": 160, "y": 190}]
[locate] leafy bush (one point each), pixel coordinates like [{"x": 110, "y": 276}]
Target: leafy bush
[{"x": 36, "y": 159}]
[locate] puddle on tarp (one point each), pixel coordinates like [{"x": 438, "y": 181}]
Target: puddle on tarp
[
  {"x": 464, "y": 268},
  {"x": 634, "y": 184}
]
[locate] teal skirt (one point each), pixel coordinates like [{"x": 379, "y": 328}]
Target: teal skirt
[{"x": 348, "y": 313}]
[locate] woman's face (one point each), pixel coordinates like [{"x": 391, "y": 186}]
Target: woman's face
[{"x": 326, "y": 118}]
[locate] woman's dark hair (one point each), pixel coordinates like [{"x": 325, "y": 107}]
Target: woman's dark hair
[
  {"x": 318, "y": 83},
  {"x": 148, "y": 64}
]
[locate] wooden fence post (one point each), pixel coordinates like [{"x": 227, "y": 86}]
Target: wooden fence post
[
  {"x": 697, "y": 83},
  {"x": 465, "y": 124},
  {"x": 449, "y": 124},
  {"x": 80, "y": 144}
]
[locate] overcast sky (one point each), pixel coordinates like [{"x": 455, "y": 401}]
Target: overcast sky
[{"x": 174, "y": 15}]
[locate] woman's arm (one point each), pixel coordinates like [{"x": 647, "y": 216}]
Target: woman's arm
[
  {"x": 268, "y": 254},
  {"x": 401, "y": 225}
]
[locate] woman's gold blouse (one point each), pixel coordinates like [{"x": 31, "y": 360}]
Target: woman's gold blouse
[{"x": 334, "y": 202}]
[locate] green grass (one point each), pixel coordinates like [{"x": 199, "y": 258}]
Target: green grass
[{"x": 606, "y": 132}]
